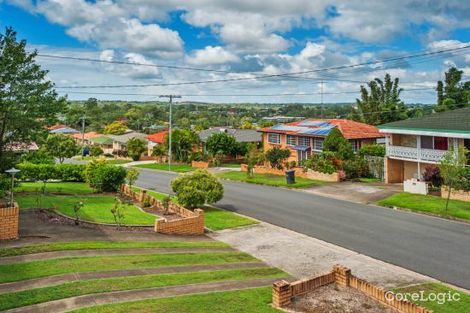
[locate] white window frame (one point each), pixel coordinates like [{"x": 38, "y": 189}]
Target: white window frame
[
  {"x": 355, "y": 145},
  {"x": 278, "y": 136},
  {"x": 304, "y": 141},
  {"x": 290, "y": 138},
  {"x": 315, "y": 141}
]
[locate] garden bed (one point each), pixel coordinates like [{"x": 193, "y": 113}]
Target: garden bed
[{"x": 180, "y": 168}]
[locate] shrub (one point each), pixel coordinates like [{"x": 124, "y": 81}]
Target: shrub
[
  {"x": 91, "y": 167},
  {"x": 432, "y": 174},
  {"x": 70, "y": 172},
  {"x": 61, "y": 146},
  {"x": 96, "y": 151},
  {"x": 37, "y": 172},
  {"x": 132, "y": 175},
  {"x": 135, "y": 147},
  {"x": 40, "y": 156},
  {"x": 221, "y": 143},
  {"x": 373, "y": 150},
  {"x": 198, "y": 156},
  {"x": 356, "y": 167},
  {"x": 464, "y": 180},
  {"x": 325, "y": 162},
  {"x": 195, "y": 189},
  {"x": 108, "y": 178},
  {"x": 335, "y": 142},
  {"x": 5, "y": 184},
  {"x": 277, "y": 156}
]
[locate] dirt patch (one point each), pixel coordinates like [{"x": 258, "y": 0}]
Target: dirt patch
[{"x": 336, "y": 299}]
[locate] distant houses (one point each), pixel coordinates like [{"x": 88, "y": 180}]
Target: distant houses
[
  {"x": 155, "y": 140},
  {"x": 120, "y": 141}
]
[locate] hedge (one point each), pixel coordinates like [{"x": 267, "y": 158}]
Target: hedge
[{"x": 43, "y": 172}]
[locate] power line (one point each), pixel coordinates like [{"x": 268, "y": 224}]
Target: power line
[{"x": 431, "y": 53}]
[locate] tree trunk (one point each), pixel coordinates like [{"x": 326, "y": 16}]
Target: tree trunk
[{"x": 448, "y": 198}]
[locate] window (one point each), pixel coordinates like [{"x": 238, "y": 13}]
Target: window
[
  {"x": 427, "y": 142},
  {"x": 304, "y": 141},
  {"x": 318, "y": 144},
  {"x": 274, "y": 138},
  {"x": 440, "y": 143},
  {"x": 355, "y": 145},
  {"x": 291, "y": 140}
]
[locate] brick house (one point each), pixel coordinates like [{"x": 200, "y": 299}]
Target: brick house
[
  {"x": 306, "y": 137},
  {"x": 414, "y": 143}
]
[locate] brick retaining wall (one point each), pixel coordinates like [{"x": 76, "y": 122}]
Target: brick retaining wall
[
  {"x": 455, "y": 194},
  {"x": 189, "y": 223},
  {"x": 200, "y": 164},
  {"x": 9, "y": 217},
  {"x": 283, "y": 291},
  {"x": 299, "y": 172}
]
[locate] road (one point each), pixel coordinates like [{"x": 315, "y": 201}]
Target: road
[{"x": 431, "y": 246}]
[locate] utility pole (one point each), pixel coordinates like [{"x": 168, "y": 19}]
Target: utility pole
[{"x": 170, "y": 97}]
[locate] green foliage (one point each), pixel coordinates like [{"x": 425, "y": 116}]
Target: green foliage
[
  {"x": 356, "y": 167},
  {"x": 135, "y": 147},
  {"x": 45, "y": 172},
  {"x": 115, "y": 128},
  {"x": 277, "y": 156},
  {"x": 28, "y": 100},
  {"x": 336, "y": 143},
  {"x": 61, "y": 146},
  {"x": 382, "y": 104},
  {"x": 70, "y": 172},
  {"x": 132, "y": 175},
  {"x": 451, "y": 167},
  {"x": 325, "y": 162},
  {"x": 159, "y": 151},
  {"x": 118, "y": 212},
  {"x": 254, "y": 157},
  {"x": 108, "y": 178},
  {"x": 182, "y": 143},
  {"x": 166, "y": 203},
  {"x": 76, "y": 209},
  {"x": 453, "y": 93},
  {"x": 463, "y": 183},
  {"x": 221, "y": 143},
  {"x": 198, "y": 156},
  {"x": 5, "y": 184},
  {"x": 372, "y": 150},
  {"x": 96, "y": 151},
  {"x": 91, "y": 167},
  {"x": 196, "y": 189},
  {"x": 40, "y": 156}
]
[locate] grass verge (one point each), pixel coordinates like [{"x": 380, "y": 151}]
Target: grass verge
[
  {"x": 460, "y": 306},
  {"x": 73, "y": 289},
  {"x": 214, "y": 218},
  {"x": 43, "y": 268},
  {"x": 95, "y": 209},
  {"x": 428, "y": 204},
  {"x": 57, "y": 187},
  {"x": 180, "y": 168},
  {"x": 91, "y": 245},
  {"x": 268, "y": 179},
  {"x": 238, "y": 301}
]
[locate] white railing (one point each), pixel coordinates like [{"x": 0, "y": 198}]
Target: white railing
[{"x": 426, "y": 155}]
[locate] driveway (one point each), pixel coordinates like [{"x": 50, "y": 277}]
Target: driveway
[{"x": 431, "y": 246}]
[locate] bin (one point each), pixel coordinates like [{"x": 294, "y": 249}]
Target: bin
[{"x": 290, "y": 177}]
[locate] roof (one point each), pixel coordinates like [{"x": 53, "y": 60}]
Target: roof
[
  {"x": 241, "y": 135},
  {"x": 20, "y": 146},
  {"x": 64, "y": 130},
  {"x": 102, "y": 140},
  {"x": 56, "y": 126},
  {"x": 88, "y": 135},
  {"x": 157, "y": 137},
  {"x": 125, "y": 137},
  {"x": 456, "y": 121},
  {"x": 322, "y": 127}
]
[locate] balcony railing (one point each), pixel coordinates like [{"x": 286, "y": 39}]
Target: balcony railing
[{"x": 425, "y": 155}]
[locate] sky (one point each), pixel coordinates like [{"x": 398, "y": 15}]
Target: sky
[{"x": 239, "y": 41}]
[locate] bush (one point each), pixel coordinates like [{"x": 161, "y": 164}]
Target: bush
[
  {"x": 277, "y": 156},
  {"x": 325, "y": 162},
  {"x": 373, "y": 150},
  {"x": 356, "y": 168},
  {"x": 70, "y": 172},
  {"x": 108, "y": 178},
  {"x": 44, "y": 172},
  {"x": 335, "y": 142},
  {"x": 135, "y": 147},
  {"x": 40, "y": 156},
  {"x": 91, "y": 167},
  {"x": 221, "y": 143},
  {"x": 198, "y": 156},
  {"x": 464, "y": 180},
  {"x": 432, "y": 174},
  {"x": 96, "y": 151},
  {"x": 195, "y": 189},
  {"x": 5, "y": 184}
]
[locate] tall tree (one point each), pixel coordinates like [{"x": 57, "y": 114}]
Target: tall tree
[
  {"x": 382, "y": 103},
  {"x": 61, "y": 146},
  {"x": 28, "y": 101},
  {"x": 453, "y": 93},
  {"x": 440, "y": 92}
]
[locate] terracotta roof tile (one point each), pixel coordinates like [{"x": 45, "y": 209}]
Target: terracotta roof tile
[{"x": 157, "y": 137}]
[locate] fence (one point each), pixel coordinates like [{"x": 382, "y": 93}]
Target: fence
[
  {"x": 283, "y": 291},
  {"x": 9, "y": 217},
  {"x": 376, "y": 165},
  {"x": 189, "y": 223}
]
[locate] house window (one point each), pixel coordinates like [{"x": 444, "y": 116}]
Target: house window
[
  {"x": 291, "y": 140},
  {"x": 355, "y": 145},
  {"x": 427, "y": 142},
  {"x": 274, "y": 138},
  {"x": 441, "y": 143},
  {"x": 304, "y": 141},
  {"x": 318, "y": 144}
]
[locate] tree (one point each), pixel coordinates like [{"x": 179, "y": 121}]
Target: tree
[
  {"x": 61, "y": 146},
  {"x": 451, "y": 167},
  {"x": 131, "y": 176},
  {"x": 115, "y": 128},
  {"x": 196, "y": 189},
  {"x": 182, "y": 143},
  {"x": 440, "y": 93},
  {"x": 277, "y": 156},
  {"x": 221, "y": 143},
  {"x": 254, "y": 157},
  {"x": 452, "y": 94},
  {"x": 28, "y": 101},
  {"x": 96, "y": 151},
  {"x": 135, "y": 147},
  {"x": 382, "y": 104},
  {"x": 159, "y": 151},
  {"x": 336, "y": 143},
  {"x": 40, "y": 156},
  {"x": 76, "y": 210},
  {"x": 118, "y": 212}
]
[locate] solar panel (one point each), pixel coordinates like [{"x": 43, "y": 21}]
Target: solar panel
[{"x": 313, "y": 123}]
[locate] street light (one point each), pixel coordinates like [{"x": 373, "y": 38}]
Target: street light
[{"x": 12, "y": 171}]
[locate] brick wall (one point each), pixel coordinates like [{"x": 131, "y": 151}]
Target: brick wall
[
  {"x": 189, "y": 223},
  {"x": 9, "y": 222},
  {"x": 299, "y": 172},
  {"x": 455, "y": 194},
  {"x": 283, "y": 291},
  {"x": 200, "y": 164}
]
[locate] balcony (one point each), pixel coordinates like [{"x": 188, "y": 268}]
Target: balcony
[{"x": 415, "y": 154}]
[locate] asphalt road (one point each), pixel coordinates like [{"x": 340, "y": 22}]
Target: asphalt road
[{"x": 431, "y": 246}]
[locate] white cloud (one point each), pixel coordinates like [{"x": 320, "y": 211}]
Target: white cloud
[{"x": 211, "y": 55}]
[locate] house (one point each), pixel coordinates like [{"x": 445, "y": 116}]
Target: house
[
  {"x": 240, "y": 135},
  {"x": 85, "y": 138},
  {"x": 104, "y": 142},
  {"x": 155, "y": 140},
  {"x": 305, "y": 137},
  {"x": 120, "y": 141},
  {"x": 414, "y": 143}
]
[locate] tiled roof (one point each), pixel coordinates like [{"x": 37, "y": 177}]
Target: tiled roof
[
  {"x": 241, "y": 135},
  {"x": 125, "y": 137},
  {"x": 88, "y": 135},
  {"x": 157, "y": 137},
  {"x": 56, "y": 126},
  {"x": 102, "y": 140},
  {"x": 321, "y": 128}
]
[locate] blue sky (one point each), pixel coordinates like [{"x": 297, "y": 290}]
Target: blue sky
[{"x": 244, "y": 39}]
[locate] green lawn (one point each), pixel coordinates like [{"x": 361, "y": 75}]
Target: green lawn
[
  {"x": 461, "y": 306},
  {"x": 117, "y": 161},
  {"x": 369, "y": 180},
  {"x": 78, "y": 288},
  {"x": 230, "y": 165},
  {"x": 43, "y": 268},
  {"x": 428, "y": 204},
  {"x": 81, "y": 245},
  {"x": 180, "y": 168},
  {"x": 58, "y": 187},
  {"x": 95, "y": 209},
  {"x": 238, "y": 301},
  {"x": 214, "y": 218},
  {"x": 270, "y": 180}
]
